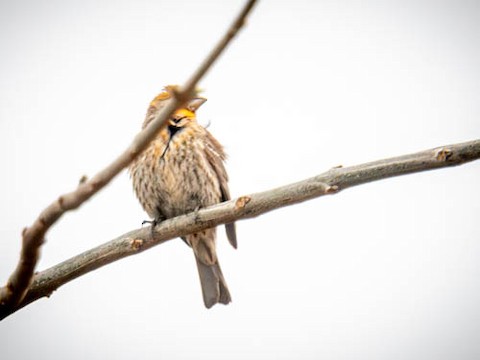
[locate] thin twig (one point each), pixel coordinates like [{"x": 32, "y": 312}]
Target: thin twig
[
  {"x": 32, "y": 237},
  {"x": 245, "y": 207}
]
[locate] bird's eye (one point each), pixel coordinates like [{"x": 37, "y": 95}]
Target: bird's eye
[{"x": 176, "y": 120}]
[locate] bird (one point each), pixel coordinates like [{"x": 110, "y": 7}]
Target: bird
[{"x": 182, "y": 170}]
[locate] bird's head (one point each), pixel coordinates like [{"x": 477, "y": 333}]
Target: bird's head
[{"x": 180, "y": 118}]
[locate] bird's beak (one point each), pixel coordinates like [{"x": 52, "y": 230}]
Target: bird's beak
[{"x": 195, "y": 103}]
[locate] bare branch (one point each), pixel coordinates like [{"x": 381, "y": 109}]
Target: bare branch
[
  {"x": 245, "y": 207},
  {"x": 32, "y": 237}
]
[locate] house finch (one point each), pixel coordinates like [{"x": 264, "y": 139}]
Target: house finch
[{"x": 181, "y": 171}]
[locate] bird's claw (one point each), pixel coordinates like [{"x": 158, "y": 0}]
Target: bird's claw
[
  {"x": 195, "y": 212},
  {"x": 152, "y": 223}
]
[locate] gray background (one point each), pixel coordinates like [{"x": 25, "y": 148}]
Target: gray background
[{"x": 384, "y": 271}]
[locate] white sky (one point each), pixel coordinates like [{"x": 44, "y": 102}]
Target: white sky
[{"x": 387, "y": 270}]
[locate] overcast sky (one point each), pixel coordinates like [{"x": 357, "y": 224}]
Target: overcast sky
[{"x": 387, "y": 270}]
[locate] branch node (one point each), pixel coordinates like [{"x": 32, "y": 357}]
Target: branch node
[
  {"x": 61, "y": 202},
  {"x": 241, "y": 202},
  {"x": 10, "y": 287},
  {"x": 443, "y": 154},
  {"x": 175, "y": 91},
  {"x": 180, "y": 94},
  {"x": 94, "y": 185},
  {"x": 136, "y": 244},
  {"x": 42, "y": 222},
  {"x": 331, "y": 189},
  {"x": 83, "y": 179}
]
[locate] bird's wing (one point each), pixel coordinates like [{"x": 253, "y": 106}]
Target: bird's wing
[{"x": 216, "y": 156}]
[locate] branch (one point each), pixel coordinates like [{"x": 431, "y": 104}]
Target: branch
[
  {"x": 245, "y": 207},
  {"x": 32, "y": 237}
]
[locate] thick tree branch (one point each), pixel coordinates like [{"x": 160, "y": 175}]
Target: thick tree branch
[
  {"x": 245, "y": 207},
  {"x": 32, "y": 237}
]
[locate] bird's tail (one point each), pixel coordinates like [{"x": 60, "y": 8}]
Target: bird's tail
[{"x": 214, "y": 287}]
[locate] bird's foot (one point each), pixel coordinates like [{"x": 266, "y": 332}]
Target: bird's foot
[
  {"x": 152, "y": 223},
  {"x": 195, "y": 213}
]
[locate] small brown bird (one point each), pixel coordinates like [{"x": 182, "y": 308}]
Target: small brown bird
[{"x": 181, "y": 171}]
